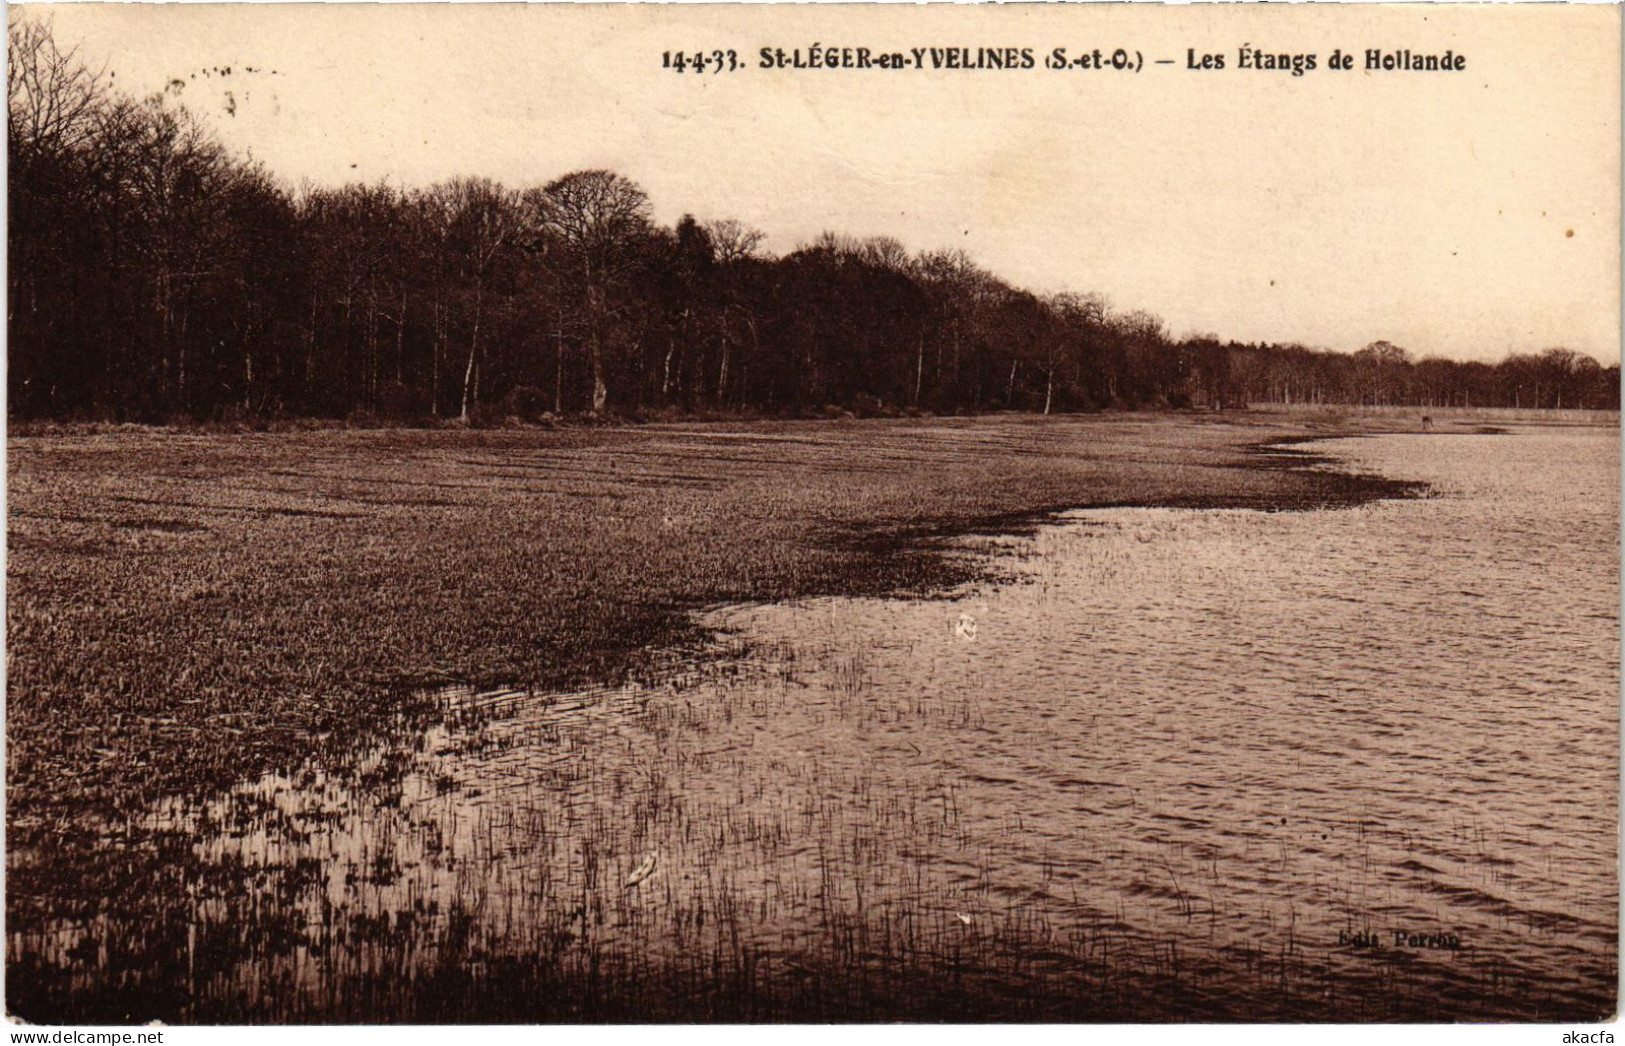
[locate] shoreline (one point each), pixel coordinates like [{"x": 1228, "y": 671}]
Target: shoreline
[{"x": 896, "y": 551}]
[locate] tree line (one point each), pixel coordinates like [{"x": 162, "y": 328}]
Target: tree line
[{"x": 153, "y": 275}]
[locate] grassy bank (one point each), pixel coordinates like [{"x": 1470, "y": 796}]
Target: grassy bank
[{"x": 191, "y": 610}]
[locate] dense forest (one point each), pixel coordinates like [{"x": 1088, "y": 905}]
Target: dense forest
[{"x": 154, "y": 276}]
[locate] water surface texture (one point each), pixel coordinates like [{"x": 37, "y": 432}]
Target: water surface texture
[{"x": 1351, "y": 765}]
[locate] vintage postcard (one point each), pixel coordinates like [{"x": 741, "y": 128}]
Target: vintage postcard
[{"x": 598, "y": 514}]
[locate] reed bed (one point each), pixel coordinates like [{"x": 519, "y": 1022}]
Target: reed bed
[{"x": 637, "y": 854}]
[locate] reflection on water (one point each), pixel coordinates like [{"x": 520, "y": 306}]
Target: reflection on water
[{"x": 1185, "y": 765}]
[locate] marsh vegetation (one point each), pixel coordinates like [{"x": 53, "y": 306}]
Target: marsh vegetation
[
  {"x": 851, "y": 805},
  {"x": 187, "y": 612}
]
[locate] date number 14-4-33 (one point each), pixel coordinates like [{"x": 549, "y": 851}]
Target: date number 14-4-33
[{"x": 700, "y": 61}]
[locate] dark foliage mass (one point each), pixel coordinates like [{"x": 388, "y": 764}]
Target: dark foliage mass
[{"x": 155, "y": 276}]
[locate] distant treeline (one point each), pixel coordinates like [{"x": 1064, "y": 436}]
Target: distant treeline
[{"x": 155, "y": 276}]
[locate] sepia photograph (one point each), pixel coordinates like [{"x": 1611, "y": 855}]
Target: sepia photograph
[{"x": 605, "y": 514}]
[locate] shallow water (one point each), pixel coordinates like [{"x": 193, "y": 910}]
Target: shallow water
[{"x": 1155, "y": 774}]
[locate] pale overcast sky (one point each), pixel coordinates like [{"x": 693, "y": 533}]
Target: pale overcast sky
[{"x": 1434, "y": 210}]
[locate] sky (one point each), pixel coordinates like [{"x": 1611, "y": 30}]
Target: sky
[{"x": 1465, "y": 214}]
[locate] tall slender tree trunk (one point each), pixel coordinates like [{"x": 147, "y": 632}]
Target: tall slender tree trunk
[
  {"x": 595, "y": 337},
  {"x": 372, "y": 351},
  {"x": 248, "y": 364},
  {"x": 469, "y": 386},
  {"x": 310, "y": 345},
  {"x": 558, "y": 372},
  {"x": 600, "y": 391},
  {"x": 665, "y": 372},
  {"x": 436, "y": 344},
  {"x": 468, "y": 379},
  {"x": 919, "y": 368},
  {"x": 180, "y": 368},
  {"x": 248, "y": 374},
  {"x": 400, "y": 339},
  {"x": 722, "y": 369}
]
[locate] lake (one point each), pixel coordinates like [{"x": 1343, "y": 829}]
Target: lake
[{"x": 1351, "y": 765}]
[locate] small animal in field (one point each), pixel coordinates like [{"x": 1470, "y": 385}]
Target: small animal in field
[
  {"x": 965, "y": 627},
  {"x": 1427, "y": 423}
]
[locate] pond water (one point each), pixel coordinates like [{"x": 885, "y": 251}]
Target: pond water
[{"x": 1349, "y": 765}]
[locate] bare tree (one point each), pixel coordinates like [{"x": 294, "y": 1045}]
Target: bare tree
[
  {"x": 51, "y": 97},
  {"x": 484, "y": 221},
  {"x": 1383, "y": 363},
  {"x": 885, "y": 252},
  {"x": 734, "y": 241},
  {"x": 1560, "y": 369},
  {"x": 596, "y": 218},
  {"x": 733, "y": 244}
]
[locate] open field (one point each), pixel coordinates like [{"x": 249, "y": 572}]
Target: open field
[{"x": 190, "y": 611}]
